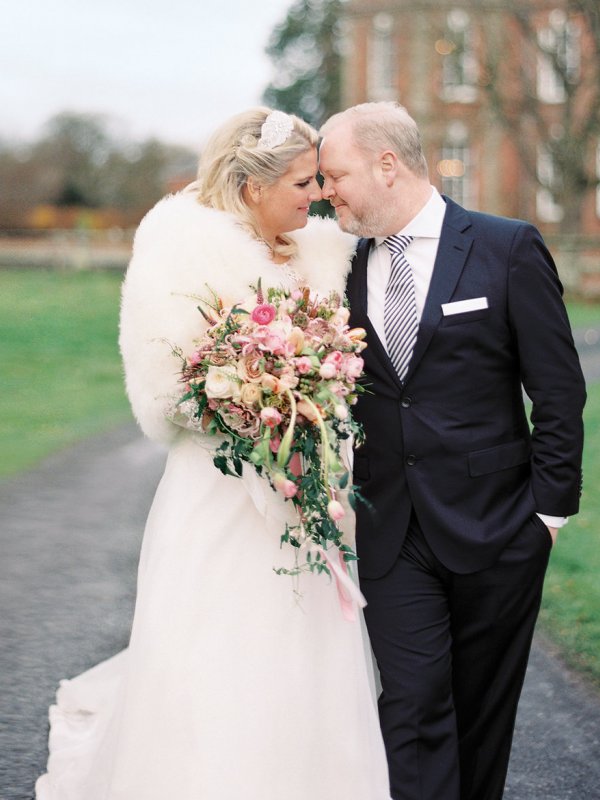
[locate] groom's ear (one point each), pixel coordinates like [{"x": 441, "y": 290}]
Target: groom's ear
[{"x": 388, "y": 163}]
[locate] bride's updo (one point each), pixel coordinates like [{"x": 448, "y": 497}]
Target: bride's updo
[{"x": 242, "y": 148}]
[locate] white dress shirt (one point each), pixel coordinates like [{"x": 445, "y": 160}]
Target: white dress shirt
[{"x": 425, "y": 228}]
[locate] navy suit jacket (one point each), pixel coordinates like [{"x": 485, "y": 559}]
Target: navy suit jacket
[{"x": 452, "y": 442}]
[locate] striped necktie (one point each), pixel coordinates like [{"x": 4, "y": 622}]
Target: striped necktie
[{"x": 400, "y": 321}]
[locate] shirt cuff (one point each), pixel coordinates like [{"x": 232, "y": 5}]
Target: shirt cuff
[{"x": 553, "y": 522}]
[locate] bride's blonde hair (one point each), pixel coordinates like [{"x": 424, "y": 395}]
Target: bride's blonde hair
[{"x": 233, "y": 154}]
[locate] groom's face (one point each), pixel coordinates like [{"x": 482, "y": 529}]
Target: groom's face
[{"x": 351, "y": 183}]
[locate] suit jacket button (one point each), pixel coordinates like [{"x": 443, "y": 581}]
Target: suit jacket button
[
  {"x": 411, "y": 460},
  {"x": 406, "y": 402}
]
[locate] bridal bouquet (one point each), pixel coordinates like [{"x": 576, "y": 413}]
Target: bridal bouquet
[{"x": 276, "y": 375}]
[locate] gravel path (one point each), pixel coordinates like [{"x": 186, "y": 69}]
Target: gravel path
[{"x": 70, "y": 532}]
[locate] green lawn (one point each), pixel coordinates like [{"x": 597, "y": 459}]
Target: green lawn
[
  {"x": 584, "y": 315},
  {"x": 571, "y": 606},
  {"x": 61, "y": 371}
]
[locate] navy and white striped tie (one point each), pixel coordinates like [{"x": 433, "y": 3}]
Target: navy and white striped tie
[{"x": 400, "y": 321}]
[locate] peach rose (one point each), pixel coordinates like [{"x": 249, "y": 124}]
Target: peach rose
[{"x": 251, "y": 394}]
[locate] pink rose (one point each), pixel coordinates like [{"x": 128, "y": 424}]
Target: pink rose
[
  {"x": 353, "y": 367},
  {"x": 270, "y": 417},
  {"x": 264, "y": 314},
  {"x": 303, "y": 365},
  {"x": 334, "y": 358},
  {"x": 327, "y": 371}
]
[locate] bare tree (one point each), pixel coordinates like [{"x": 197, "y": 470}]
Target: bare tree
[{"x": 542, "y": 79}]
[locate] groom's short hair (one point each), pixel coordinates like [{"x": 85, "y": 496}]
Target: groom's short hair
[{"x": 383, "y": 126}]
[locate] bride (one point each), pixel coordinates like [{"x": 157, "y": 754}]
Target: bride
[{"x": 233, "y": 687}]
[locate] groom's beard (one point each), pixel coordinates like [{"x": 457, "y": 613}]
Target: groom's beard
[{"x": 368, "y": 223}]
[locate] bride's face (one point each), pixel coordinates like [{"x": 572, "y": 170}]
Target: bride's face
[{"x": 284, "y": 205}]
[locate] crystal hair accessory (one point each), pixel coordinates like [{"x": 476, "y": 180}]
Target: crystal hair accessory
[{"x": 275, "y": 129}]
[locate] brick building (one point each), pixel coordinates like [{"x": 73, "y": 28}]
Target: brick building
[{"x": 450, "y": 63}]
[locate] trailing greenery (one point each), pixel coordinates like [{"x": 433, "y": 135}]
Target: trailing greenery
[{"x": 61, "y": 370}]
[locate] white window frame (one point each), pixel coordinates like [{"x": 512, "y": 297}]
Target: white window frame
[
  {"x": 547, "y": 209},
  {"x": 560, "y": 37},
  {"x": 456, "y": 151},
  {"x": 381, "y": 61},
  {"x": 459, "y": 67}
]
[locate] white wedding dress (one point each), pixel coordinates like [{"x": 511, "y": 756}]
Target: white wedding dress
[{"x": 238, "y": 683}]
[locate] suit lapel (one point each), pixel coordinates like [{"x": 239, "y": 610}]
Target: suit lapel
[
  {"x": 454, "y": 247},
  {"x": 453, "y": 250},
  {"x": 375, "y": 355}
]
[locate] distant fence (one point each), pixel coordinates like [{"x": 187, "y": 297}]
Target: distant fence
[
  {"x": 578, "y": 262},
  {"x": 577, "y": 258},
  {"x": 66, "y": 249}
]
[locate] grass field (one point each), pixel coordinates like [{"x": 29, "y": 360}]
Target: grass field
[
  {"x": 571, "y": 605},
  {"x": 62, "y": 381},
  {"x": 584, "y": 315},
  {"x": 61, "y": 370}
]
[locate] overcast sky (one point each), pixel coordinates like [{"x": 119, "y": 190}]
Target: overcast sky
[{"x": 168, "y": 68}]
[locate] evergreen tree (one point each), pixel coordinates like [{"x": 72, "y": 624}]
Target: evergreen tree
[{"x": 305, "y": 51}]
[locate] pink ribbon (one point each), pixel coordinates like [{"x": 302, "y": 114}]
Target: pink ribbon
[{"x": 349, "y": 594}]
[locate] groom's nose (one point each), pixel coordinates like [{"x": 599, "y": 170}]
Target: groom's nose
[{"x": 327, "y": 189}]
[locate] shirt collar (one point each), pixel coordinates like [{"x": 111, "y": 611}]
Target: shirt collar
[{"x": 428, "y": 222}]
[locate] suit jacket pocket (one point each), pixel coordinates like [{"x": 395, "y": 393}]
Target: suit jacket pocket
[
  {"x": 464, "y": 317},
  {"x": 503, "y": 456}
]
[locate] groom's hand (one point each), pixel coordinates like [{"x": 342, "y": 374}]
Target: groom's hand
[{"x": 553, "y": 534}]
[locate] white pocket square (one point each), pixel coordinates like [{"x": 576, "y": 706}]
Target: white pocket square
[{"x": 460, "y": 306}]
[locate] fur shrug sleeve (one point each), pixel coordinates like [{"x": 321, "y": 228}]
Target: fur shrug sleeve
[{"x": 180, "y": 251}]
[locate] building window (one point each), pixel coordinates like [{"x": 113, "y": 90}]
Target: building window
[
  {"x": 459, "y": 65},
  {"x": 559, "y": 59},
  {"x": 381, "y": 62},
  {"x": 455, "y": 166},
  {"x": 547, "y": 209}
]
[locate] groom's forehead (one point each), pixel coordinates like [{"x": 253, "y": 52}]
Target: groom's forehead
[{"x": 337, "y": 147}]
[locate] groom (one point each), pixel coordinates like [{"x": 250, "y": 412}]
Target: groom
[{"x": 462, "y": 310}]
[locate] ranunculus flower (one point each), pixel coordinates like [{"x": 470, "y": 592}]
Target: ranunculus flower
[
  {"x": 327, "y": 371},
  {"x": 335, "y": 510},
  {"x": 270, "y": 416},
  {"x": 221, "y": 382},
  {"x": 263, "y": 314}
]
